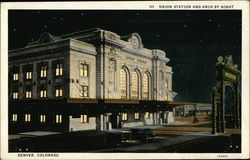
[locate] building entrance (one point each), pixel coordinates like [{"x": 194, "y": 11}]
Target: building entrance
[{"x": 115, "y": 120}]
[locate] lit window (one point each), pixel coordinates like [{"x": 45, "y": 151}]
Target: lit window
[
  {"x": 147, "y": 115},
  {"x": 84, "y": 118},
  {"x": 43, "y": 71},
  {"x": 137, "y": 116},
  {"x": 124, "y": 116},
  {"x": 135, "y": 86},
  {"x": 27, "y": 117},
  {"x": 15, "y": 76},
  {"x": 14, "y": 117},
  {"x": 58, "y": 118},
  {"x": 28, "y": 75},
  {"x": 42, "y": 118},
  {"x": 85, "y": 91},
  {"x": 15, "y": 95},
  {"x": 28, "y": 93},
  {"x": 84, "y": 70},
  {"x": 123, "y": 83},
  {"x": 43, "y": 93},
  {"x": 145, "y": 89},
  {"x": 59, "y": 69},
  {"x": 59, "y": 92}
]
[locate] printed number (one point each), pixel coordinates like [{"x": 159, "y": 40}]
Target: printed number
[{"x": 222, "y": 156}]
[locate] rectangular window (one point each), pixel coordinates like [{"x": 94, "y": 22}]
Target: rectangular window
[
  {"x": 84, "y": 118},
  {"x": 85, "y": 91},
  {"x": 42, "y": 118},
  {"x": 58, "y": 92},
  {"x": 137, "y": 116},
  {"x": 43, "y": 71},
  {"x": 15, "y": 77},
  {"x": 84, "y": 70},
  {"x": 28, "y": 93},
  {"x": 28, "y": 75},
  {"x": 14, "y": 117},
  {"x": 147, "y": 115},
  {"x": 58, "y": 118},
  {"x": 43, "y": 93},
  {"x": 27, "y": 118},
  {"x": 15, "y": 95},
  {"x": 59, "y": 69},
  {"x": 124, "y": 116}
]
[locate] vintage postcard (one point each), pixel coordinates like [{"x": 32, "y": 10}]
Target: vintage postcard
[{"x": 125, "y": 80}]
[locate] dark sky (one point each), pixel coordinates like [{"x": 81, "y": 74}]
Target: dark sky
[{"x": 192, "y": 39}]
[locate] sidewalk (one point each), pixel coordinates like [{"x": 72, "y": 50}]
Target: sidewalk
[
  {"x": 161, "y": 144},
  {"x": 151, "y": 126}
]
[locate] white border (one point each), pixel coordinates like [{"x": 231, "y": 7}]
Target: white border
[{"x": 129, "y": 5}]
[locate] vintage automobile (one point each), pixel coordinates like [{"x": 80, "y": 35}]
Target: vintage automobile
[
  {"x": 145, "y": 135},
  {"x": 235, "y": 143}
]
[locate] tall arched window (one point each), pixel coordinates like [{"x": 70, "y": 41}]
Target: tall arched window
[
  {"x": 145, "y": 89},
  {"x": 135, "y": 85},
  {"x": 123, "y": 83}
]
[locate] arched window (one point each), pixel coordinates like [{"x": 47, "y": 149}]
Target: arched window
[
  {"x": 123, "y": 83},
  {"x": 145, "y": 89},
  {"x": 135, "y": 85}
]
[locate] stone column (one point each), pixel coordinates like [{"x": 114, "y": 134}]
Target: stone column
[
  {"x": 238, "y": 118},
  {"x": 223, "y": 122},
  {"x": 21, "y": 81},
  {"x": 154, "y": 118},
  {"x": 99, "y": 122},
  {"x": 34, "y": 81},
  {"x": 214, "y": 108},
  {"x": 50, "y": 80}
]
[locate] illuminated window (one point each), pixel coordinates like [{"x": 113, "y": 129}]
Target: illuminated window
[
  {"x": 43, "y": 71},
  {"x": 146, "y": 115},
  {"x": 84, "y": 118},
  {"x": 58, "y": 118},
  {"x": 85, "y": 91},
  {"x": 15, "y": 95},
  {"x": 84, "y": 70},
  {"x": 123, "y": 83},
  {"x": 58, "y": 92},
  {"x": 42, "y": 118},
  {"x": 28, "y": 75},
  {"x": 27, "y": 118},
  {"x": 59, "y": 69},
  {"x": 43, "y": 93},
  {"x": 15, "y": 77},
  {"x": 145, "y": 89},
  {"x": 14, "y": 117},
  {"x": 137, "y": 116},
  {"x": 135, "y": 86},
  {"x": 28, "y": 93},
  {"x": 124, "y": 116}
]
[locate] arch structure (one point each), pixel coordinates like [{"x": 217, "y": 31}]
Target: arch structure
[{"x": 226, "y": 96}]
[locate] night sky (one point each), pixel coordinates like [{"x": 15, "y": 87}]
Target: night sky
[{"x": 192, "y": 39}]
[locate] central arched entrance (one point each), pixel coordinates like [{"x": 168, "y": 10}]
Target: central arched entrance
[{"x": 229, "y": 106}]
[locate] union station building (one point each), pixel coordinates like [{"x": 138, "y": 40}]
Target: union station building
[{"x": 91, "y": 79}]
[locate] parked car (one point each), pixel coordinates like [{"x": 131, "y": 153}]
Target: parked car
[
  {"x": 145, "y": 135},
  {"x": 235, "y": 143}
]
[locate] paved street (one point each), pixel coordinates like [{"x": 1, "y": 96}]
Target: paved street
[{"x": 180, "y": 136}]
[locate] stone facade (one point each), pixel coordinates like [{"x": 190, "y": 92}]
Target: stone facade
[{"x": 84, "y": 69}]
